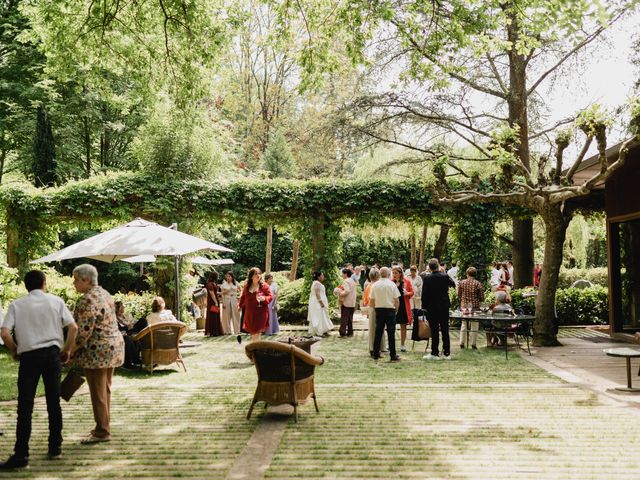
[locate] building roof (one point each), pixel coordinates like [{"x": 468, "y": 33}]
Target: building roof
[{"x": 591, "y": 166}]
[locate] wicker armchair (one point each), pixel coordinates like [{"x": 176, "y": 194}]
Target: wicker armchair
[
  {"x": 285, "y": 374},
  {"x": 159, "y": 344}
]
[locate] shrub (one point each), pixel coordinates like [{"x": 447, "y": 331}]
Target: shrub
[
  {"x": 597, "y": 276},
  {"x": 291, "y": 302},
  {"x": 138, "y": 306},
  {"x": 574, "y": 306},
  {"x": 586, "y": 306}
]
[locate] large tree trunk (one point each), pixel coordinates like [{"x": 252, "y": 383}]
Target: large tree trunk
[
  {"x": 438, "y": 248},
  {"x": 522, "y": 251},
  {"x": 545, "y": 326}
]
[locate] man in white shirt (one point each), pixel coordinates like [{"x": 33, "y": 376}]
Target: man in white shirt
[
  {"x": 347, "y": 294},
  {"x": 453, "y": 272},
  {"x": 385, "y": 299},
  {"x": 38, "y": 320},
  {"x": 495, "y": 277}
]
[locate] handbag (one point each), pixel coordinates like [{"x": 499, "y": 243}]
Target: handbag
[
  {"x": 214, "y": 309},
  {"x": 70, "y": 385},
  {"x": 424, "y": 329}
]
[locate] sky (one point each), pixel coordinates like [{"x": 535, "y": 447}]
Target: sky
[{"x": 603, "y": 74}]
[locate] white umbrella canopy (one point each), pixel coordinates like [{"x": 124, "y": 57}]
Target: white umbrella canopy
[
  {"x": 198, "y": 260},
  {"x": 138, "y": 237},
  {"x": 212, "y": 261}
]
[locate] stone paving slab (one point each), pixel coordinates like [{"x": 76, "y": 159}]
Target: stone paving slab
[{"x": 582, "y": 361}]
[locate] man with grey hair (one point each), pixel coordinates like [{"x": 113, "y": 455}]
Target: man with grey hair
[
  {"x": 502, "y": 305},
  {"x": 385, "y": 300},
  {"x": 435, "y": 300},
  {"x": 99, "y": 346}
]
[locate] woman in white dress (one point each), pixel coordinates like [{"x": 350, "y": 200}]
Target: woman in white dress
[
  {"x": 230, "y": 313},
  {"x": 318, "y": 316}
]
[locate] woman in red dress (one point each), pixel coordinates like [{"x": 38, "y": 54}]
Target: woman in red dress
[
  {"x": 213, "y": 325},
  {"x": 255, "y": 301}
]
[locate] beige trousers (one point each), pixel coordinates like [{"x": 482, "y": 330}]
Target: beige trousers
[
  {"x": 372, "y": 330},
  {"x": 473, "y": 332},
  {"x": 99, "y": 381}
]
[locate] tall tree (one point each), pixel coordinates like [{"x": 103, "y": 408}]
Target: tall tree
[
  {"x": 478, "y": 58},
  {"x": 474, "y": 71},
  {"x": 44, "y": 152}
]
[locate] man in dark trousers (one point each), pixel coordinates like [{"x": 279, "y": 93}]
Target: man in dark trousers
[
  {"x": 435, "y": 301},
  {"x": 38, "y": 320}
]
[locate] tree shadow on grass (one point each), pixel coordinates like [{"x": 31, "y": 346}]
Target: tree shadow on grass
[{"x": 144, "y": 374}]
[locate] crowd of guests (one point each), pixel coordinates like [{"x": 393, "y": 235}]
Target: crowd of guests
[{"x": 395, "y": 297}]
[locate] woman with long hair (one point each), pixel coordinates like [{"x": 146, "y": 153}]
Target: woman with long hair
[
  {"x": 255, "y": 299},
  {"x": 230, "y": 314},
  {"x": 213, "y": 325},
  {"x": 404, "y": 315},
  {"x": 274, "y": 325},
  {"x": 318, "y": 312}
]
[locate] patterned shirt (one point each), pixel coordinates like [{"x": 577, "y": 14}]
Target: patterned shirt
[
  {"x": 470, "y": 293},
  {"x": 99, "y": 341}
]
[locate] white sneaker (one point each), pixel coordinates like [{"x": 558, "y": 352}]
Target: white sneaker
[
  {"x": 431, "y": 357},
  {"x": 403, "y": 349},
  {"x": 447, "y": 357}
]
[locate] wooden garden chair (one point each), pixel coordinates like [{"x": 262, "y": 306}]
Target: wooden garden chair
[
  {"x": 285, "y": 374},
  {"x": 159, "y": 344}
]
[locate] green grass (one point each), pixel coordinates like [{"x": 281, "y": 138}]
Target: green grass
[
  {"x": 9, "y": 377},
  {"x": 349, "y": 361},
  {"x": 477, "y": 416}
]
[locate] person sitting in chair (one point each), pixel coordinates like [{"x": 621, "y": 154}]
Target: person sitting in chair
[{"x": 159, "y": 313}]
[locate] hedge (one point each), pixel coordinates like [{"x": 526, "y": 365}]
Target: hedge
[
  {"x": 597, "y": 276},
  {"x": 574, "y": 306}
]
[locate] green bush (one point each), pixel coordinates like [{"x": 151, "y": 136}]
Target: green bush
[
  {"x": 586, "y": 306},
  {"x": 138, "y": 306},
  {"x": 291, "y": 302},
  {"x": 574, "y": 306},
  {"x": 597, "y": 276}
]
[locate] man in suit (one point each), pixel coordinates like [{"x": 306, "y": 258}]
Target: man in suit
[{"x": 435, "y": 301}]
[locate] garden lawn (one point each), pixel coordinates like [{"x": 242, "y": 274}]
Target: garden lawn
[{"x": 477, "y": 416}]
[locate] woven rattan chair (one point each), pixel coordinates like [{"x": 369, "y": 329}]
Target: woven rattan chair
[
  {"x": 285, "y": 374},
  {"x": 159, "y": 344}
]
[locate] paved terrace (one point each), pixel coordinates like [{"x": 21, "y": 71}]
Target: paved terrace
[{"x": 476, "y": 417}]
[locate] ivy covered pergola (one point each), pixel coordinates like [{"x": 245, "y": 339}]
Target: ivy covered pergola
[{"x": 313, "y": 210}]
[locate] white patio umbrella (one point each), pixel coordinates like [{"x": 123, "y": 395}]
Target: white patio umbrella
[
  {"x": 138, "y": 237},
  {"x": 212, "y": 261},
  {"x": 197, "y": 260}
]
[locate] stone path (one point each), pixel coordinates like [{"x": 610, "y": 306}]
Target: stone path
[{"x": 478, "y": 416}]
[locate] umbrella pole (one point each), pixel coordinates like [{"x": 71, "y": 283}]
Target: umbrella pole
[{"x": 177, "y": 304}]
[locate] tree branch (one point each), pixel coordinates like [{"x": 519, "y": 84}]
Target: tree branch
[
  {"x": 591, "y": 37},
  {"x": 579, "y": 159}
]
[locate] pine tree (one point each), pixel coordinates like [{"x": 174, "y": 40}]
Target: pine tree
[
  {"x": 44, "y": 152},
  {"x": 277, "y": 158}
]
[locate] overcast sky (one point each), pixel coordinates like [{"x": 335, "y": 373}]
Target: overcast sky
[{"x": 603, "y": 74}]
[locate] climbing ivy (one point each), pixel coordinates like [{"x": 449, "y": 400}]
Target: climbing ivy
[{"x": 473, "y": 243}]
